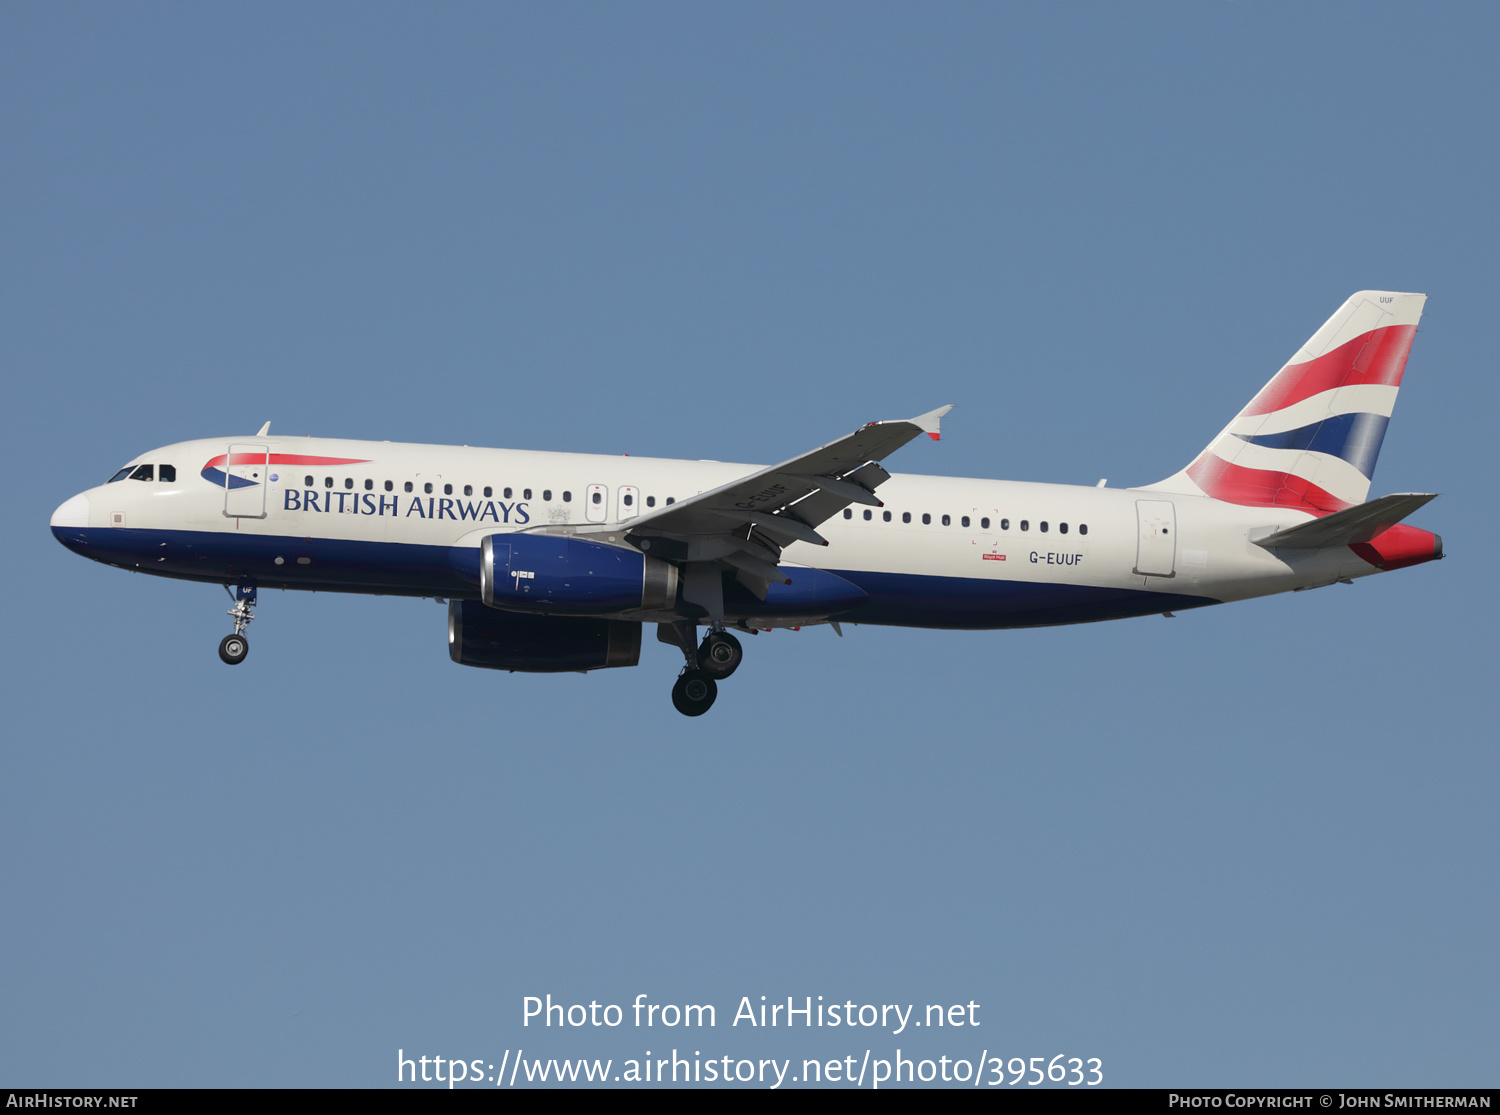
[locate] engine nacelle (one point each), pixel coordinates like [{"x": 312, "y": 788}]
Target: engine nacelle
[
  {"x": 494, "y": 640},
  {"x": 561, "y": 575}
]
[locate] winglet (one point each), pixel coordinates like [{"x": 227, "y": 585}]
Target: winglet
[{"x": 928, "y": 423}]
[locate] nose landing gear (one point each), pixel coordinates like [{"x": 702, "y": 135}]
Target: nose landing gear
[{"x": 233, "y": 648}]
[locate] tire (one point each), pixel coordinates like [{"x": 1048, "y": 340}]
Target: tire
[
  {"x": 695, "y": 693},
  {"x": 233, "y": 648},
  {"x": 720, "y": 655}
]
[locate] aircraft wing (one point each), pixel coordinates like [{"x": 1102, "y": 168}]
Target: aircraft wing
[{"x": 746, "y": 522}]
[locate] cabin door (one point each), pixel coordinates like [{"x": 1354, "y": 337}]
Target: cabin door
[
  {"x": 1156, "y": 548},
  {"x": 247, "y": 472}
]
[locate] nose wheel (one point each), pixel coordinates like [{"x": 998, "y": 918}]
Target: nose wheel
[{"x": 233, "y": 648}]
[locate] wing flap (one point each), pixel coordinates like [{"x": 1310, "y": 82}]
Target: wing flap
[{"x": 827, "y": 479}]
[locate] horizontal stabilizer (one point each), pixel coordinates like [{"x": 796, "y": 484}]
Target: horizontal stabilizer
[{"x": 1352, "y": 525}]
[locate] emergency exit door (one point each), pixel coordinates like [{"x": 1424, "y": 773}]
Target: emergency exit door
[
  {"x": 630, "y": 503},
  {"x": 596, "y": 503}
]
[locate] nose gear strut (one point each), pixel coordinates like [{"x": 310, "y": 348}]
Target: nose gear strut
[{"x": 233, "y": 648}]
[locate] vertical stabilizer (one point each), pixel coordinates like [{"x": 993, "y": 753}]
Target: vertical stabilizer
[{"x": 1310, "y": 438}]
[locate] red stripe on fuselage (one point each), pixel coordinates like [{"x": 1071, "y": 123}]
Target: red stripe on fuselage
[
  {"x": 281, "y": 459},
  {"x": 1378, "y": 356},
  {"x": 1254, "y": 487}
]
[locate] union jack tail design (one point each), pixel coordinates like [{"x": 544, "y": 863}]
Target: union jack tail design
[{"x": 1309, "y": 440}]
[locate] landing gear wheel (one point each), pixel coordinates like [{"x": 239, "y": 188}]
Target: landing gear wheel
[
  {"x": 233, "y": 649},
  {"x": 694, "y": 693},
  {"x": 720, "y": 655}
]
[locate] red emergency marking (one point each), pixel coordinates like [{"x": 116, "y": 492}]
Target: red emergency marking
[{"x": 993, "y": 557}]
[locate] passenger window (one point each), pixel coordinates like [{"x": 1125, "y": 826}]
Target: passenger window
[
  {"x": 408, "y": 485},
  {"x": 308, "y": 480},
  {"x": 964, "y": 521},
  {"x": 1025, "y": 524},
  {"x": 507, "y": 494},
  {"x": 947, "y": 521},
  {"x": 427, "y": 488},
  {"x": 327, "y": 481},
  {"x": 525, "y": 493},
  {"x": 597, "y": 498},
  {"x": 488, "y": 491},
  {"x": 1004, "y": 524},
  {"x": 671, "y": 500},
  {"x": 848, "y": 514},
  {"x": 142, "y": 472},
  {"x": 1044, "y": 526},
  {"x": 869, "y": 515},
  {"x": 984, "y": 524},
  {"x": 348, "y": 481},
  {"x": 1062, "y": 528},
  {"x": 926, "y": 519},
  {"x": 447, "y": 489},
  {"x": 167, "y": 474},
  {"x": 906, "y": 516},
  {"x": 629, "y": 499},
  {"x": 468, "y": 489},
  {"x": 547, "y": 495},
  {"x": 389, "y": 486},
  {"x": 886, "y": 515},
  {"x": 121, "y": 475},
  {"x": 568, "y": 497},
  {"x": 1082, "y": 528},
  {"x": 650, "y": 501},
  {"x": 369, "y": 485}
]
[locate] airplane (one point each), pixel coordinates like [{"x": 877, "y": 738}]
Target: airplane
[{"x": 553, "y": 562}]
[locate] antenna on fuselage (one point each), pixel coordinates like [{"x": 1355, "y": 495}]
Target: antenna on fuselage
[{"x": 264, "y": 430}]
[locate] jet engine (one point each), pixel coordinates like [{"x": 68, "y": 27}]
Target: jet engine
[
  {"x": 533, "y": 644},
  {"x": 561, "y": 575}
]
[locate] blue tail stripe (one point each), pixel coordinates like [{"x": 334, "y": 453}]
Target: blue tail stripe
[{"x": 1354, "y": 437}]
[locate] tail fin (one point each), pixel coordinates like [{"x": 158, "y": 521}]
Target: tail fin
[{"x": 1309, "y": 440}]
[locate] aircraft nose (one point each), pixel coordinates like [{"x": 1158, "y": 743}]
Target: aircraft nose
[{"x": 73, "y": 513}]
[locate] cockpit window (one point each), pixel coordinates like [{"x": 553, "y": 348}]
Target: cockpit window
[
  {"x": 121, "y": 475},
  {"x": 143, "y": 472},
  {"x": 167, "y": 474}
]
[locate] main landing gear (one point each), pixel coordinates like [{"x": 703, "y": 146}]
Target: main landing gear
[
  {"x": 694, "y": 693},
  {"x": 233, "y": 648},
  {"x": 718, "y": 656}
]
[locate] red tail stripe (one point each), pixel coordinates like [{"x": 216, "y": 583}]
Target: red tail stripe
[
  {"x": 1254, "y": 487},
  {"x": 1378, "y": 356}
]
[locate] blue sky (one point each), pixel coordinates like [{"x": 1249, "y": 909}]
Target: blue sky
[{"x": 1254, "y": 845}]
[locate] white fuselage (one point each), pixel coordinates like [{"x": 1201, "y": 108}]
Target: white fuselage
[{"x": 399, "y": 507}]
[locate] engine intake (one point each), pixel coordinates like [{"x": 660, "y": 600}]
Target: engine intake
[{"x": 571, "y": 576}]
